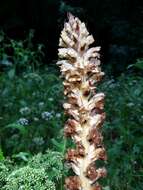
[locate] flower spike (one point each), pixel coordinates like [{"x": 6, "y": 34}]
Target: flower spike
[{"x": 80, "y": 68}]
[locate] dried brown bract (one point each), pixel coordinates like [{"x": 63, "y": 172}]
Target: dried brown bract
[
  {"x": 72, "y": 183},
  {"x": 80, "y": 68}
]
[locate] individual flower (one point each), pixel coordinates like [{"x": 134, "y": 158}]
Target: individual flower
[
  {"x": 23, "y": 121},
  {"x": 25, "y": 111},
  {"x": 36, "y": 119},
  {"x": 130, "y": 104},
  {"x": 41, "y": 104},
  {"x": 51, "y": 99},
  {"x": 58, "y": 115},
  {"x": 46, "y": 115}
]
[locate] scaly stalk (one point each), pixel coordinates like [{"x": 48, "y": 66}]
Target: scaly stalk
[{"x": 80, "y": 68}]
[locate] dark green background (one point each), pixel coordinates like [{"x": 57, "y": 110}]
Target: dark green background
[{"x": 116, "y": 25}]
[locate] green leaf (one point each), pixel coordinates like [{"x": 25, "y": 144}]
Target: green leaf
[
  {"x": 22, "y": 156},
  {"x": 106, "y": 188},
  {"x": 11, "y": 73},
  {"x": 59, "y": 145},
  {"x": 1, "y": 155},
  {"x": 139, "y": 64},
  {"x": 21, "y": 128}
]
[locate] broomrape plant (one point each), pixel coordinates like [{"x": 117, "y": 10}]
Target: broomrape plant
[{"x": 80, "y": 68}]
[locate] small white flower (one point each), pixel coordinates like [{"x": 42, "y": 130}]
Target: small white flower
[
  {"x": 36, "y": 119},
  {"x": 23, "y": 121},
  {"x": 58, "y": 115},
  {"x": 50, "y": 99},
  {"x": 46, "y": 115},
  {"x": 41, "y": 104},
  {"x": 24, "y": 110},
  {"x": 6, "y": 63},
  {"x": 34, "y": 94},
  {"x": 130, "y": 104}
]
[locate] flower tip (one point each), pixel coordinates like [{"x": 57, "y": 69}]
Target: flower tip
[{"x": 70, "y": 15}]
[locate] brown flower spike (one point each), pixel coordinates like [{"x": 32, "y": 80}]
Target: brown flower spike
[{"x": 80, "y": 68}]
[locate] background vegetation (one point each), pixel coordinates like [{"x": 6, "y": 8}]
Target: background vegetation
[{"x": 32, "y": 145}]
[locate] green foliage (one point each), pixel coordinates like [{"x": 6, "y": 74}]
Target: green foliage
[
  {"x": 41, "y": 171},
  {"x": 5, "y": 168},
  {"x": 1, "y": 155},
  {"x": 28, "y": 178},
  {"x": 123, "y": 132},
  {"x": 39, "y": 95},
  {"x": 29, "y": 118},
  {"x": 22, "y": 156},
  {"x": 3, "y": 174},
  {"x": 32, "y": 120},
  {"x": 19, "y": 55},
  {"x": 139, "y": 64},
  {"x": 51, "y": 162},
  {"x": 120, "y": 33}
]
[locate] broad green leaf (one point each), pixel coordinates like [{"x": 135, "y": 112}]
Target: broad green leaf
[
  {"x": 21, "y": 128},
  {"x": 1, "y": 155}
]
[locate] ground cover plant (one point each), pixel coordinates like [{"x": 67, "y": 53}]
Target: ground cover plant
[{"x": 31, "y": 128}]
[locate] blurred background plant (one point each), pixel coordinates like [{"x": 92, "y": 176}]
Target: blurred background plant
[
  {"x": 42, "y": 171},
  {"x": 16, "y": 56},
  {"x": 32, "y": 145},
  {"x": 123, "y": 132}
]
